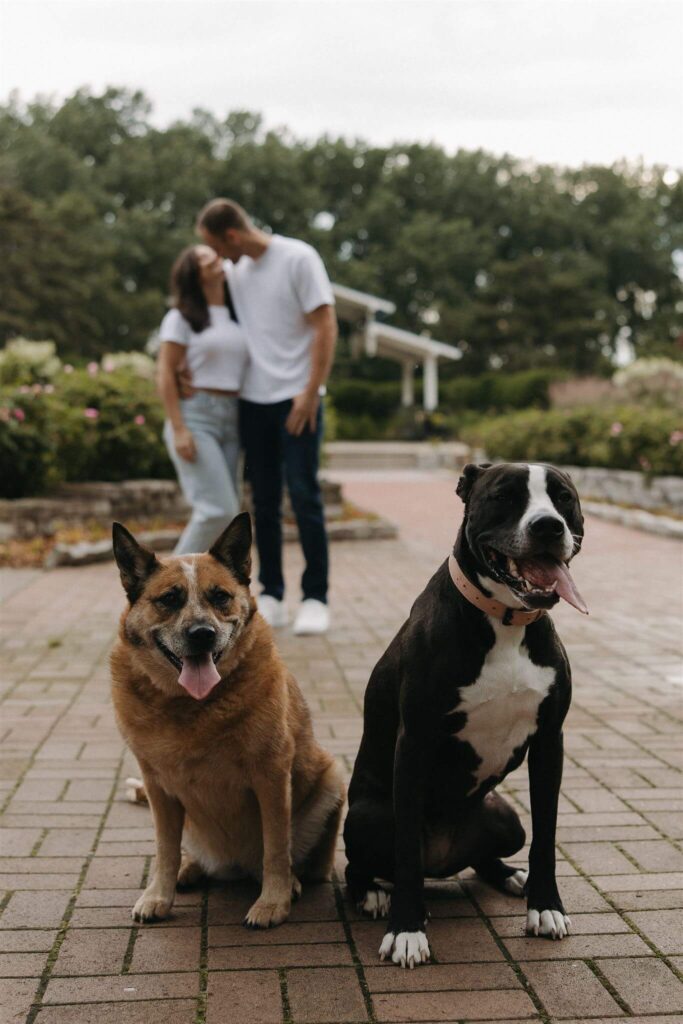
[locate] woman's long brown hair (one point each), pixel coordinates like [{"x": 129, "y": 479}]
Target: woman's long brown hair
[{"x": 188, "y": 295}]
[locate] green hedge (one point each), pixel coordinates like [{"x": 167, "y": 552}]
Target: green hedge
[
  {"x": 498, "y": 391},
  {"x": 621, "y": 437},
  {"x": 365, "y": 397},
  {"x": 83, "y": 426},
  {"x": 372, "y": 403}
]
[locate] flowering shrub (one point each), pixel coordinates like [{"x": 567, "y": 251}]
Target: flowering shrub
[
  {"x": 137, "y": 363},
  {"x": 653, "y": 382},
  {"x": 621, "y": 437},
  {"x": 28, "y": 362},
  {"x": 86, "y": 425}
]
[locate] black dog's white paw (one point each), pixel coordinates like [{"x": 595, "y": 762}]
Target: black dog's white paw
[
  {"x": 552, "y": 923},
  {"x": 516, "y": 883},
  {"x": 376, "y": 903},
  {"x": 409, "y": 949}
]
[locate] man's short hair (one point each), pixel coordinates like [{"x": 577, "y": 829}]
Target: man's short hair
[{"x": 221, "y": 215}]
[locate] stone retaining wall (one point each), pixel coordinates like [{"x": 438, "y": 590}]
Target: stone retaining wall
[
  {"x": 101, "y": 502},
  {"x": 625, "y": 487}
]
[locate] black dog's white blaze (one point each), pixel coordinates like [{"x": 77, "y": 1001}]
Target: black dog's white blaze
[{"x": 541, "y": 504}]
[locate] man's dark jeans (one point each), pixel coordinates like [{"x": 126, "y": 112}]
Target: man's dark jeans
[{"x": 272, "y": 453}]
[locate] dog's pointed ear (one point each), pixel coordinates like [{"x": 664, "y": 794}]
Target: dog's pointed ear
[
  {"x": 136, "y": 563},
  {"x": 233, "y": 548},
  {"x": 470, "y": 475}
]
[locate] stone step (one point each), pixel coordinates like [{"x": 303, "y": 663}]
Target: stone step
[{"x": 396, "y": 455}]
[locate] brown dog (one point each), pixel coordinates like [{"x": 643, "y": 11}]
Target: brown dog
[{"x": 220, "y": 729}]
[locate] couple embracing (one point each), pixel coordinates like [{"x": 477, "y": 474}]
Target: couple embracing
[{"x": 250, "y": 339}]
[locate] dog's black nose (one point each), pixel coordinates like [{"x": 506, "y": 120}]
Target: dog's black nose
[
  {"x": 201, "y": 635},
  {"x": 546, "y": 528}
]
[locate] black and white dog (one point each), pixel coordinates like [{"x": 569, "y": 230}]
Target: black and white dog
[{"x": 475, "y": 678}]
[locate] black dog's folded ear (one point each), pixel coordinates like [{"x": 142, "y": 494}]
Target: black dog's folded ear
[
  {"x": 233, "y": 548},
  {"x": 470, "y": 474},
  {"x": 136, "y": 564}
]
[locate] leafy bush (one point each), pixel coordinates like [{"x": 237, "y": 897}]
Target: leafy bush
[
  {"x": 488, "y": 391},
  {"x": 28, "y": 362},
  {"x": 87, "y": 425},
  {"x": 27, "y": 454},
  {"x": 655, "y": 382},
  {"x": 138, "y": 363},
  {"x": 620, "y": 437},
  {"x": 365, "y": 397},
  {"x": 361, "y": 427}
]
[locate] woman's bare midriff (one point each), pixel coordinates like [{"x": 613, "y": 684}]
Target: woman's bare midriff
[{"x": 217, "y": 391}]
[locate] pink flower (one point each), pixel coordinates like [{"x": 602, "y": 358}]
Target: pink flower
[
  {"x": 93, "y": 369},
  {"x": 48, "y": 389},
  {"x": 19, "y": 414},
  {"x": 140, "y": 419},
  {"x": 676, "y": 437},
  {"x": 68, "y": 368},
  {"x": 5, "y": 414},
  {"x": 37, "y": 389},
  {"x": 616, "y": 429},
  {"x": 90, "y": 413},
  {"x": 108, "y": 364},
  {"x": 24, "y": 390}
]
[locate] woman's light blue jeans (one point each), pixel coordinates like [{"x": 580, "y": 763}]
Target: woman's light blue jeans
[{"x": 210, "y": 482}]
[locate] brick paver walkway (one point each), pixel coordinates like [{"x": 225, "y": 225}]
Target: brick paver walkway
[{"x": 75, "y": 854}]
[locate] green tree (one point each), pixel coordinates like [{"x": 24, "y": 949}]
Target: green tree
[{"x": 518, "y": 264}]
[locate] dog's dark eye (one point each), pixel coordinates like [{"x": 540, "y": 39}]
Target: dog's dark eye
[
  {"x": 501, "y": 497},
  {"x": 565, "y": 496},
  {"x": 219, "y": 597},
  {"x": 171, "y": 600}
]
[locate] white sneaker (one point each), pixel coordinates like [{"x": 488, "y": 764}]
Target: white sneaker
[
  {"x": 272, "y": 610},
  {"x": 313, "y": 617}
]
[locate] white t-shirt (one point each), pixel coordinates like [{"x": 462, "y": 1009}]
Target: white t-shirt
[
  {"x": 217, "y": 356},
  {"x": 272, "y": 296}
]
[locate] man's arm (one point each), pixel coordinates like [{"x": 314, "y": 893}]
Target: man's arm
[{"x": 305, "y": 406}]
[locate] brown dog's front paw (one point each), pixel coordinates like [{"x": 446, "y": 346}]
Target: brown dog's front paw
[
  {"x": 152, "y": 906},
  {"x": 267, "y": 913}
]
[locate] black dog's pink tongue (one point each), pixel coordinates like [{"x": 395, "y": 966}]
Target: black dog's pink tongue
[
  {"x": 543, "y": 572},
  {"x": 199, "y": 676}
]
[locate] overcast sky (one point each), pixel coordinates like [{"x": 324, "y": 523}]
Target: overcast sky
[{"x": 558, "y": 80}]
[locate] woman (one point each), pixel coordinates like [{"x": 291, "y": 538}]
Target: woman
[{"x": 201, "y": 432}]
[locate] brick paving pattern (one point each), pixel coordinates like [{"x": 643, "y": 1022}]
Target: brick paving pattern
[{"x": 75, "y": 854}]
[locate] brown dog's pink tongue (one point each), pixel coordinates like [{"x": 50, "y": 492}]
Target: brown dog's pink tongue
[
  {"x": 545, "y": 571},
  {"x": 199, "y": 676}
]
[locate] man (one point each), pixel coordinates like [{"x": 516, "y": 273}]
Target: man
[{"x": 283, "y": 299}]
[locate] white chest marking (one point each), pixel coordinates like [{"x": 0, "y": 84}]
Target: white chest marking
[{"x": 502, "y": 706}]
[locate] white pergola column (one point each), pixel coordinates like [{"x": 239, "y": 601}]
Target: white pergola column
[
  {"x": 430, "y": 384},
  {"x": 408, "y": 385}
]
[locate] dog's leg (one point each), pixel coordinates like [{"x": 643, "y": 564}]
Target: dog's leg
[
  {"x": 191, "y": 873},
  {"x": 369, "y": 839},
  {"x": 405, "y": 941},
  {"x": 500, "y": 834},
  {"x": 274, "y": 794},
  {"x": 320, "y": 861},
  {"x": 169, "y": 815},
  {"x": 545, "y": 913}
]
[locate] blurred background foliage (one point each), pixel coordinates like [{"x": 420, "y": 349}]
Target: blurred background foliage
[
  {"x": 522, "y": 266},
  {"x": 540, "y": 275}
]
